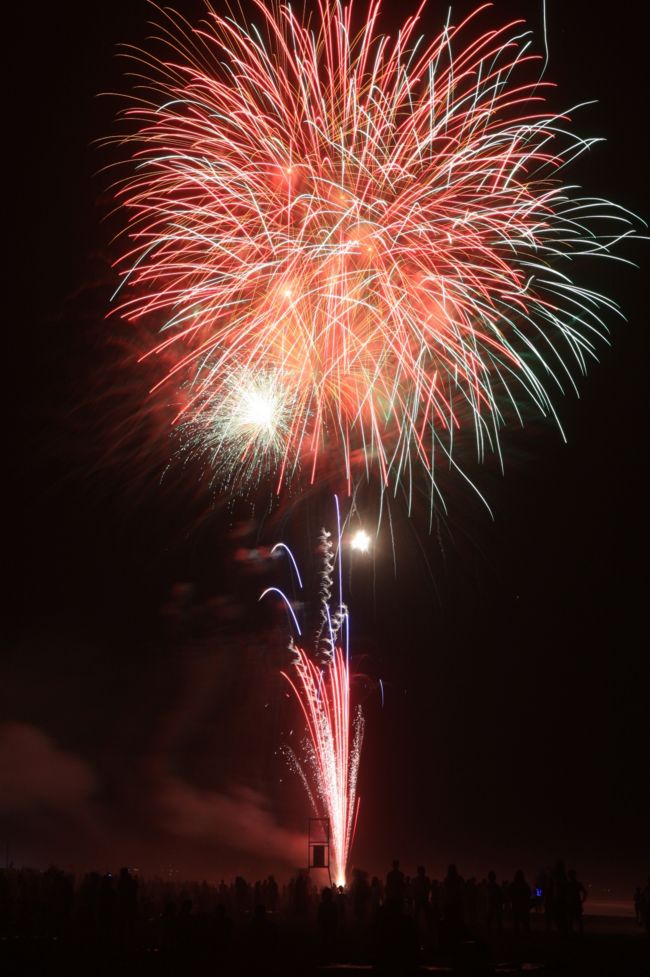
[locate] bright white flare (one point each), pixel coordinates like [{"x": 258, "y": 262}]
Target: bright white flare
[
  {"x": 258, "y": 409},
  {"x": 361, "y": 541},
  {"x": 245, "y": 431}
]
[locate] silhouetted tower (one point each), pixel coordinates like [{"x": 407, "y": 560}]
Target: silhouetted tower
[{"x": 318, "y": 841}]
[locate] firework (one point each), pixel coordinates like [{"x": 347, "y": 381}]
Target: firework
[
  {"x": 334, "y": 750},
  {"x": 242, "y": 433},
  {"x": 360, "y": 541},
  {"x": 358, "y": 245},
  {"x": 334, "y": 732}
]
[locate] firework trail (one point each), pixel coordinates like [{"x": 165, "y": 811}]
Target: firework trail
[
  {"x": 321, "y": 685},
  {"x": 335, "y": 740},
  {"x": 358, "y": 245}
]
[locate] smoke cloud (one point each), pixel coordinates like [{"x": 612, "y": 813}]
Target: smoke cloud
[{"x": 36, "y": 774}]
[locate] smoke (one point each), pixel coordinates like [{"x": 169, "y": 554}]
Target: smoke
[
  {"x": 145, "y": 780},
  {"x": 37, "y": 775},
  {"x": 239, "y": 821}
]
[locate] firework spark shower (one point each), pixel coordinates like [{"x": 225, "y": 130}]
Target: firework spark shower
[
  {"x": 357, "y": 246},
  {"x": 320, "y": 682}
]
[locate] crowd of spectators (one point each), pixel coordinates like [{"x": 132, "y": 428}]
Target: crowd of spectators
[{"x": 393, "y": 922}]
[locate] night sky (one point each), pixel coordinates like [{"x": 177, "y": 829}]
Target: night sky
[{"x": 141, "y": 707}]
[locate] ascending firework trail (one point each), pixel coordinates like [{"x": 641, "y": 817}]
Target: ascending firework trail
[{"x": 320, "y": 680}]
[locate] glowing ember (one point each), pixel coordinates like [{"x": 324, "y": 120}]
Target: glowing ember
[{"x": 361, "y": 541}]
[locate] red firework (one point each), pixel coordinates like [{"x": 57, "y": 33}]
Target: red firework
[{"x": 359, "y": 244}]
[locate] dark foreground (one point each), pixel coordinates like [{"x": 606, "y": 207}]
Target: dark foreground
[
  {"x": 51, "y": 924},
  {"x": 609, "y": 947}
]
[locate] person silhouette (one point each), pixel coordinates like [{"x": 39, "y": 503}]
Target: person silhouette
[
  {"x": 376, "y": 894},
  {"x": 576, "y": 895},
  {"x": 395, "y": 943},
  {"x": 301, "y": 895},
  {"x": 471, "y": 900},
  {"x": 127, "y": 906},
  {"x": 327, "y": 920},
  {"x": 494, "y": 898},
  {"x": 421, "y": 887},
  {"x": 262, "y": 933},
  {"x": 106, "y": 905},
  {"x": 360, "y": 896},
  {"x": 341, "y": 900},
  {"x": 222, "y": 932},
  {"x": 395, "y": 886},
  {"x": 520, "y": 900},
  {"x": 272, "y": 893},
  {"x": 169, "y": 928},
  {"x": 185, "y": 927},
  {"x": 435, "y": 905},
  {"x": 559, "y": 898},
  {"x": 453, "y": 910}
]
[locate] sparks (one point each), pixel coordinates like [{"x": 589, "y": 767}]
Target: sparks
[
  {"x": 359, "y": 245},
  {"x": 320, "y": 681},
  {"x": 242, "y": 431},
  {"x": 335, "y": 737}
]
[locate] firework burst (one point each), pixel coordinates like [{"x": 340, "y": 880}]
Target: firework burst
[
  {"x": 358, "y": 245},
  {"x": 242, "y": 433}
]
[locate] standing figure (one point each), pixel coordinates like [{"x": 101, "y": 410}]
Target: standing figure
[
  {"x": 520, "y": 899},
  {"x": 494, "y": 897},
  {"x": 576, "y": 895}
]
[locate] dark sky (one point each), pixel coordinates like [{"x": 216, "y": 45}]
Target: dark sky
[{"x": 513, "y": 651}]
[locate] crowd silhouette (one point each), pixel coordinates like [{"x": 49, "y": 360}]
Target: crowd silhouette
[{"x": 392, "y": 923}]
